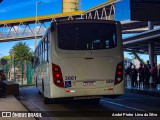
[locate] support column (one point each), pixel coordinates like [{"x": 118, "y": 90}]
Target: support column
[
  {"x": 150, "y": 25},
  {"x": 151, "y": 52},
  {"x": 151, "y": 45},
  {"x": 155, "y": 59}
]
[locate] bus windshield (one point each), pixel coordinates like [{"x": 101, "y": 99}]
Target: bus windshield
[{"x": 86, "y": 36}]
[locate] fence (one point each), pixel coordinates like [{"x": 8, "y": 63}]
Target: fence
[{"x": 18, "y": 71}]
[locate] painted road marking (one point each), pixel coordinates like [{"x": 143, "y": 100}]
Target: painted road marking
[
  {"x": 122, "y": 105},
  {"x": 129, "y": 98}
]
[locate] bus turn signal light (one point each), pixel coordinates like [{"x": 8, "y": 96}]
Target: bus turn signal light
[{"x": 56, "y": 69}]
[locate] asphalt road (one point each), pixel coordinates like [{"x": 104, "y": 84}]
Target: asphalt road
[{"x": 128, "y": 103}]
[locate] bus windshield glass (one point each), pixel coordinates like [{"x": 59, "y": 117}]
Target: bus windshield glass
[{"x": 86, "y": 36}]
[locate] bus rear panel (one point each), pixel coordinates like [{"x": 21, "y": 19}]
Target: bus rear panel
[{"x": 86, "y": 59}]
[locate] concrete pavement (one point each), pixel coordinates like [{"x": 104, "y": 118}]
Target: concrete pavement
[
  {"x": 10, "y": 103},
  {"x": 144, "y": 90}
]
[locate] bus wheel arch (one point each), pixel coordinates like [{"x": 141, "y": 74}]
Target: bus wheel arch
[{"x": 48, "y": 100}]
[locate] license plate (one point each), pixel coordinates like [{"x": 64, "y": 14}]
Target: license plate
[{"x": 89, "y": 83}]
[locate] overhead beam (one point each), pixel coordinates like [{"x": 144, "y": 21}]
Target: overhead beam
[
  {"x": 138, "y": 58},
  {"x": 39, "y": 18},
  {"x": 146, "y": 36},
  {"x": 19, "y": 38},
  {"x": 132, "y": 31}
]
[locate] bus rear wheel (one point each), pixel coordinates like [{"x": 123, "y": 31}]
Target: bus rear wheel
[
  {"x": 48, "y": 100},
  {"x": 39, "y": 92},
  {"x": 91, "y": 101},
  {"x": 113, "y": 96},
  {"x": 96, "y": 100}
]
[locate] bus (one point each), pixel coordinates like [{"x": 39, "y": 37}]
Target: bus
[{"x": 80, "y": 59}]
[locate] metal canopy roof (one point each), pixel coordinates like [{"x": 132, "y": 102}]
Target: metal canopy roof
[
  {"x": 129, "y": 26},
  {"x": 139, "y": 43}
]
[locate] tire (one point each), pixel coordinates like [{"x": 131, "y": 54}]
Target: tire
[
  {"x": 113, "y": 96},
  {"x": 96, "y": 100},
  {"x": 52, "y": 100},
  {"x": 48, "y": 100},
  {"x": 88, "y": 101},
  {"x": 39, "y": 92}
]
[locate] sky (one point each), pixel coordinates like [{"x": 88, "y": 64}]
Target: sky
[{"x": 11, "y": 9}]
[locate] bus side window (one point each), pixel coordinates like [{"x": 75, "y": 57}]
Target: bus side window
[
  {"x": 45, "y": 50},
  {"x": 48, "y": 47},
  {"x": 37, "y": 55},
  {"x": 41, "y": 52},
  {"x": 43, "y": 57}
]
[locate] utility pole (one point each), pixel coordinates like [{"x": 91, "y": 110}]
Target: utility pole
[{"x": 35, "y": 31}]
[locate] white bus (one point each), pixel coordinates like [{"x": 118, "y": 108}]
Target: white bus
[{"x": 80, "y": 59}]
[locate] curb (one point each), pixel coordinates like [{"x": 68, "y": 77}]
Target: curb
[{"x": 31, "y": 107}]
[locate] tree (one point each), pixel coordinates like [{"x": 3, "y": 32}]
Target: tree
[
  {"x": 22, "y": 51},
  {"x": 8, "y": 58}
]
